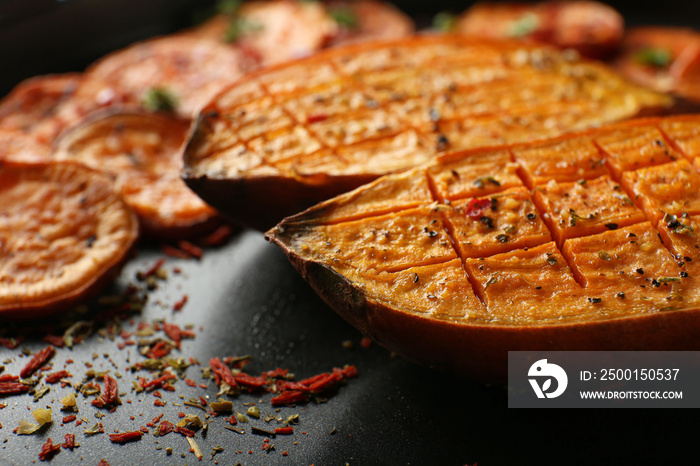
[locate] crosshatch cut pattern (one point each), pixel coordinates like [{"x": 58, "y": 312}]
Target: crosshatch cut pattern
[
  {"x": 350, "y": 115},
  {"x": 596, "y": 225}
]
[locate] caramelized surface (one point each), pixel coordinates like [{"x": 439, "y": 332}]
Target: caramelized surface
[
  {"x": 623, "y": 240},
  {"x": 363, "y": 111},
  {"x": 63, "y": 231},
  {"x": 143, "y": 154}
]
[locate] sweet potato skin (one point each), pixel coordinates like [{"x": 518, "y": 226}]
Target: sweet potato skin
[
  {"x": 248, "y": 139},
  {"x": 641, "y": 313},
  {"x": 480, "y": 352}
]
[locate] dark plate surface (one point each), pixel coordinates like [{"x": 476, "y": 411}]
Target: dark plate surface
[{"x": 245, "y": 298}]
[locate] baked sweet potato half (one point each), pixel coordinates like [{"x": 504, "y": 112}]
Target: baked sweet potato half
[
  {"x": 589, "y": 241},
  {"x": 284, "y": 138},
  {"x": 64, "y": 234},
  {"x": 592, "y": 28},
  {"x": 143, "y": 154}
]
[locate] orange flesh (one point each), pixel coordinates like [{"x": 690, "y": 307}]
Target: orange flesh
[
  {"x": 143, "y": 153},
  {"x": 377, "y": 108},
  {"x": 62, "y": 229},
  {"x": 618, "y": 249}
]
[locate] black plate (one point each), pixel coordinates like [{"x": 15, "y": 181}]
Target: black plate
[{"x": 245, "y": 298}]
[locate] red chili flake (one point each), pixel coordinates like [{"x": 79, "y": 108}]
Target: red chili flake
[
  {"x": 250, "y": 381},
  {"x": 203, "y": 385},
  {"x": 289, "y": 430},
  {"x": 165, "y": 428},
  {"x": 326, "y": 383},
  {"x": 180, "y": 304},
  {"x": 289, "y": 397},
  {"x": 284, "y": 453},
  {"x": 67, "y": 419},
  {"x": 232, "y": 420},
  {"x": 78, "y": 422},
  {"x": 174, "y": 252},
  {"x": 184, "y": 431},
  {"x": 287, "y": 385},
  {"x": 121, "y": 346},
  {"x": 48, "y": 450},
  {"x": 39, "y": 359},
  {"x": 366, "y": 342},
  {"x": 13, "y": 388},
  {"x": 316, "y": 118},
  {"x": 180, "y": 414},
  {"x": 10, "y": 343},
  {"x": 144, "y": 429},
  {"x": 126, "y": 437},
  {"x": 110, "y": 396},
  {"x": 55, "y": 340},
  {"x": 57, "y": 376},
  {"x": 476, "y": 207},
  {"x": 217, "y": 237},
  {"x": 190, "y": 383},
  {"x": 277, "y": 373},
  {"x": 9, "y": 378},
  {"x": 222, "y": 373},
  {"x": 157, "y": 394},
  {"x": 154, "y": 268},
  {"x": 158, "y": 403},
  {"x": 159, "y": 350},
  {"x": 348, "y": 372},
  {"x": 69, "y": 444},
  {"x": 143, "y": 326},
  {"x": 194, "y": 251},
  {"x": 202, "y": 401},
  {"x": 156, "y": 383},
  {"x": 103, "y": 463}
]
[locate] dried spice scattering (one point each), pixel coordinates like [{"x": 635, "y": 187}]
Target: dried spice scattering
[
  {"x": 64, "y": 233},
  {"x": 595, "y": 248},
  {"x": 285, "y": 137}
]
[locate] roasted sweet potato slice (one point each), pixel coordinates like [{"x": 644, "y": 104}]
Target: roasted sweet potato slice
[
  {"x": 621, "y": 274},
  {"x": 32, "y": 106},
  {"x": 283, "y": 138},
  {"x": 663, "y": 58},
  {"x": 143, "y": 153},
  {"x": 64, "y": 233},
  {"x": 174, "y": 73},
  {"x": 279, "y": 30},
  {"x": 592, "y": 28}
]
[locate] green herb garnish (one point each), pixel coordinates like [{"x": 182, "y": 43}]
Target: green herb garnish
[
  {"x": 650, "y": 56},
  {"x": 524, "y": 26},
  {"x": 604, "y": 256},
  {"x": 158, "y": 99},
  {"x": 239, "y": 27},
  {"x": 345, "y": 17},
  {"x": 445, "y": 22}
]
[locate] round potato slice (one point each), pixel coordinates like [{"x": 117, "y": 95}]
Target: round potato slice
[
  {"x": 143, "y": 152},
  {"x": 64, "y": 233},
  {"x": 186, "y": 70}
]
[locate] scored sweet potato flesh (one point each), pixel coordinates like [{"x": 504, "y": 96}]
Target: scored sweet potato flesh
[
  {"x": 64, "y": 233},
  {"x": 143, "y": 152},
  {"x": 284, "y": 138},
  {"x": 580, "y": 232}
]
